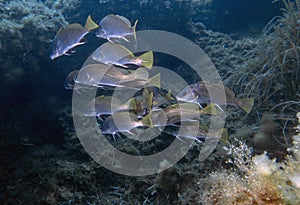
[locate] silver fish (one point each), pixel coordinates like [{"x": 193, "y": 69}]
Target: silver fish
[
  {"x": 70, "y": 80},
  {"x": 116, "y": 54},
  {"x": 180, "y": 112},
  {"x": 198, "y": 93},
  {"x": 139, "y": 84},
  {"x": 193, "y": 130},
  {"x": 107, "y": 105},
  {"x": 124, "y": 122},
  {"x": 114, "y": 27},
  {"x": 69, "y": 37},
  {"x": 100, "y": 75}
]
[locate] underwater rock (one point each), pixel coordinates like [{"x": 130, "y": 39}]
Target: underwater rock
[{"x": 26, "y": 28}]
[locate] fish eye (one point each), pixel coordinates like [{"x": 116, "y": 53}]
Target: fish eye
[
  {"x": 100, "y": 33},
  {"x": 195, "y": 92},
  {"x": 97, "y": 56}
]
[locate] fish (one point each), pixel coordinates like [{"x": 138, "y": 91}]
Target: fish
[
  {"x": 176, "y": 113},
  {"x": 107, "y": 105},
  {"x": 198, "y": 93},
  {"x": 151, "y": 99},
  {"x": 117, "y": 54},
  {"x": 194, "y": 130},
  {"x": 124, "y": 122},
  {"x": 70, "y": 80},
  {"x": 69, "y": 37},
  {"x": 160, "y": 96},
  {"x": 100, "y": 75},
  {"x": 139, "y": 84},
  {"x": 116, "y": 27}
]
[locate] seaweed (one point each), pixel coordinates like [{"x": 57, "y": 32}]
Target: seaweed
[{"x": 274, "y": 72}]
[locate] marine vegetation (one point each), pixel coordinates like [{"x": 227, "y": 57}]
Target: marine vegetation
[{"x": 273, "y": 72}]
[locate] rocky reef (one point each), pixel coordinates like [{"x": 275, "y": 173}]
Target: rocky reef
[{"x": 27, "y": 28}]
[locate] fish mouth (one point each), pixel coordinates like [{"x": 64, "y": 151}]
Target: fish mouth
[{"x": 53, "y": 56}]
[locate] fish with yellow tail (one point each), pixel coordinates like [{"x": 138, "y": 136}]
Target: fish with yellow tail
[
  {"x": 201, "y": 92},
  {"x": 117, "y": 54},
  {"x": 124, "y": 122},
  {"x": 107, "y": 105},
  {"x": 176, "y": 113},
  {"x": 70, "y": 37},
  {"x": 116, "y": 27},
  {"x": 196, "y": 131},
  {"x": 99, "y": 75}
]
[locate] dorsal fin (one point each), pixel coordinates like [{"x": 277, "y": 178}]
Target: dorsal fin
[
  {"x": 125, "y": 20},
  {"x": 229, "y": 92},
  {"x": 125, "y": 49},
  {"x": 59, "y": 31},
  {"x": 73, "y": 26}
]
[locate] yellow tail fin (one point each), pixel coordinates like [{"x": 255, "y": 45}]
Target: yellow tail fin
[
  {"x": 169, "y": 95},
  {"x": 147, "y": 59},
  {"x": 246, "y": 104},
  {"x": 150, "y": 101},
  {"x": 146, "y": 93},
  {"x": 134, "y": 31},
  {"x": 224, "y": 138},
  {"x": 132, "y": 104},
  {"x": 221, "y": 134},
  {"x": 147, "y": 121},
  {"x": 155, "y": 81},
  {"x": 148, "y": 97},
  {"x": 209, "y": 110},
  {"x": 90, "y": 24}
]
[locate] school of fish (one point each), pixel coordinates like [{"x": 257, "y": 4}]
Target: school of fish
[{"x": 112, "y": 66}]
